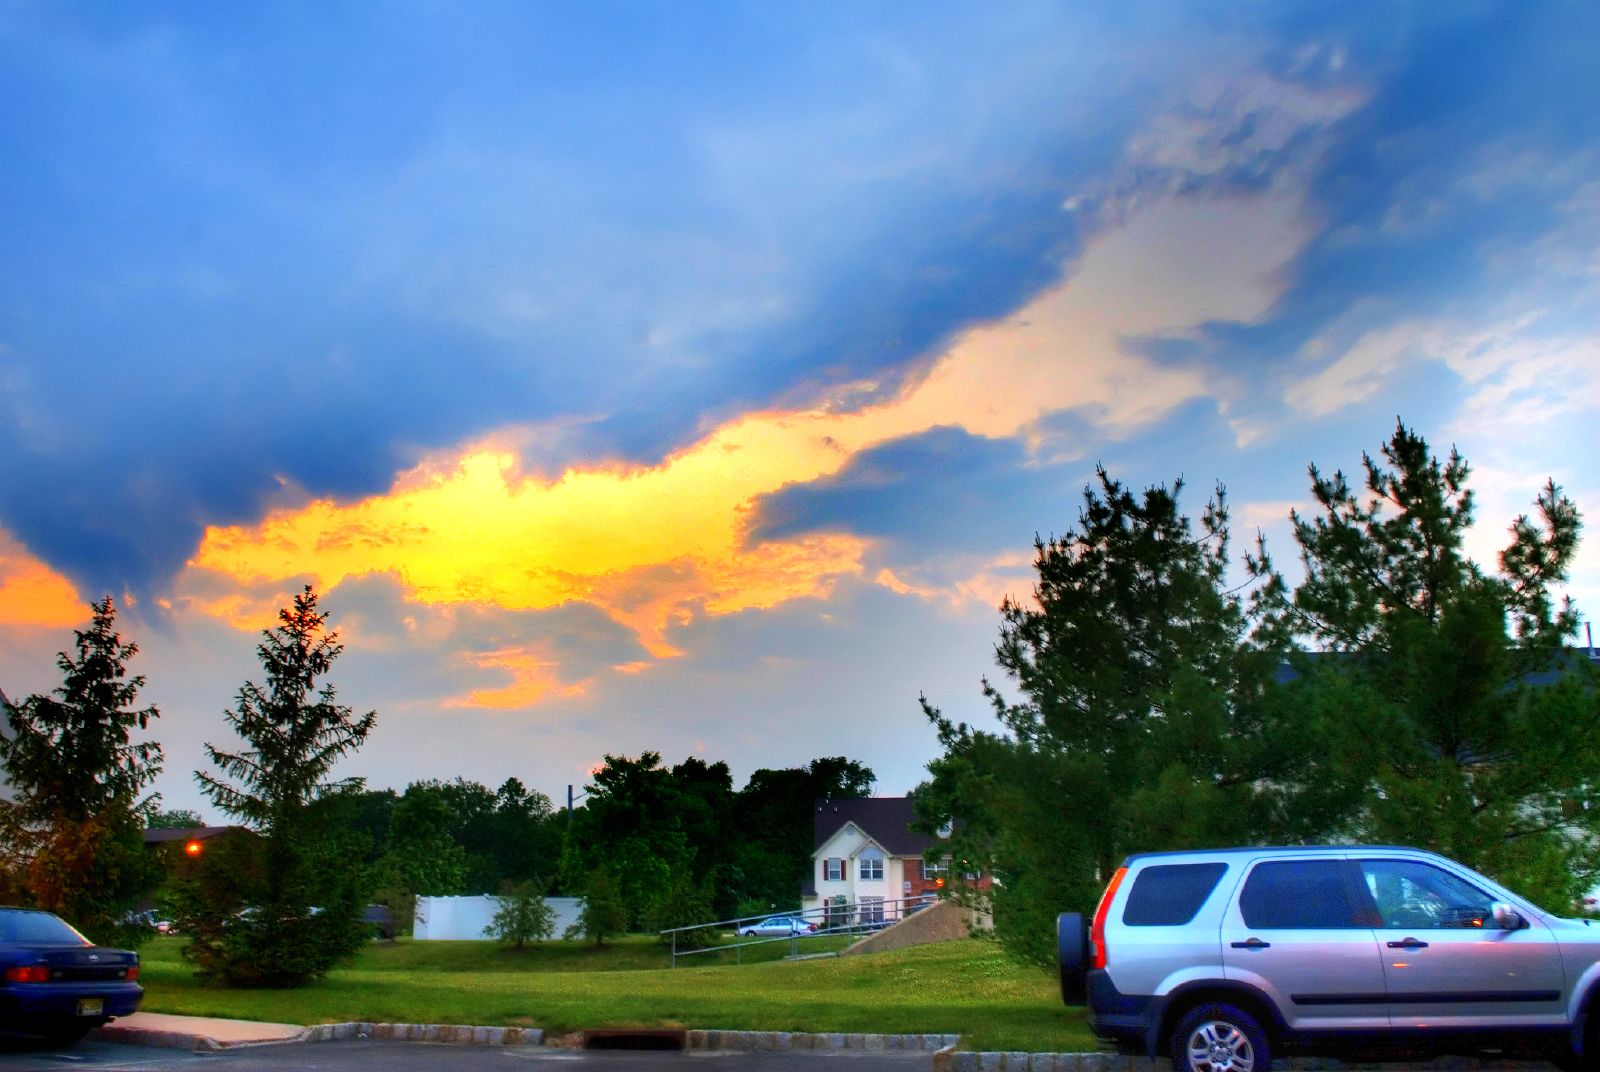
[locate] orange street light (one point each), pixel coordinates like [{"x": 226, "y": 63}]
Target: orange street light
[{"x": 192, "y": 847}]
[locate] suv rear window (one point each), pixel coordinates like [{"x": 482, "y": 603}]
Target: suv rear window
[
  {"x": 1168, "y": 895},
  {"x": 1297, "y": 895}
]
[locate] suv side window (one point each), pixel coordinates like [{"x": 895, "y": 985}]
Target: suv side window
[
  {"x": 1412, "y": 896},
  {"x": 1297, "y": 895},
  {"x": 1168, "y": 895}
]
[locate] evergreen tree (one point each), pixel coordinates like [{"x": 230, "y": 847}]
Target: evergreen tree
[
  {"x": 74, "y": 835},
  {"x": 287, "y": 910},
  {"x": 1146, "y": 719},
  {"x": 1453, "y": 715}
]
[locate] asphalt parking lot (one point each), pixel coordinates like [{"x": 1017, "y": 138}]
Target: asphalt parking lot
[{"x": 20, "y": 1056}]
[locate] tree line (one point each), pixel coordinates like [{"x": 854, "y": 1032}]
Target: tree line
[
  {"x": 651, "y": 846},
  {"x": 1163, "y": 696}
]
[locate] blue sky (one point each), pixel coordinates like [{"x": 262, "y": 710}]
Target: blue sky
[{"x": 696, "y": 378}]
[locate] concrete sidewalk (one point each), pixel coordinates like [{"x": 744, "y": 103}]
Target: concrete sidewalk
[{"x": 197, "y": 1032}]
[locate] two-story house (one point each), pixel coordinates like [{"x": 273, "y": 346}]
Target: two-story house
[{"x": 866, "y": 855}]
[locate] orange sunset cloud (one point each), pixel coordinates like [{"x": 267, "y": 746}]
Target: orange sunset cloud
[
  {"x": 655, "y": 546},
  {"x": 33, "y": 594}
]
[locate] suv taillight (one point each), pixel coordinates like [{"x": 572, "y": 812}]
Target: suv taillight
[
  {"x": 28, "y": 973},
  {"x": 1097, "y": 931}
]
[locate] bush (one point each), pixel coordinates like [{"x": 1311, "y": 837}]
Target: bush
[
  {"x": 523, "y": 916},
  {"x": 604, "y": 914}
]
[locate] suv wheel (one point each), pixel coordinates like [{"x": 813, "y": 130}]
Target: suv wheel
[
  {"x": 1219, "y": 1038},
  {"x": 1072, "y": 954}
]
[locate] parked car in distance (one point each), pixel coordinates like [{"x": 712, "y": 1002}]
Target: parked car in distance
[
  {"x": 1226, "y": 960},
  {"x": 380, "y": 921},
  {"x": 777, "y": 926},
  {"x": 56, "y": 983}
]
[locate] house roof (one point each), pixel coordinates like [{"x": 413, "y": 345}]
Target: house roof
[
  {"x": 196, "y": 833},
  {"x": 887, "y": 820}
]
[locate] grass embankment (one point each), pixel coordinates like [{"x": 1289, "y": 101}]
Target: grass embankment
[{"x": 968, "y": 988}]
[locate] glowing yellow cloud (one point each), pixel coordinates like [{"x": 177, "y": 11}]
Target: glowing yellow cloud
[
  {"x": 33, "y": 594},
  {"x": 655, "y": 546}
]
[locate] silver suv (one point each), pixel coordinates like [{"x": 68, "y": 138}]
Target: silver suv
[{"x": 1227, "y": 959}]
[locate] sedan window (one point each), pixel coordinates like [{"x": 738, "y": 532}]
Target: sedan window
[{"x": 22, "y": 926}]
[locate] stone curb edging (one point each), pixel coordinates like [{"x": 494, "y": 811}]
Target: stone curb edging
[
  {"x": 460, "y": 1034},
  {"x": 471, "y": 1035},
  {"x": 797, "y": 1040},
  {"x": 951, "y": 1061},
  {"x": 942, "y": 1047}
]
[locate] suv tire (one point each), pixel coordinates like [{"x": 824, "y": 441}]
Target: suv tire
[
  {"x": 1218, "y": 1037},
  {"x": 1072, "y": 952}
]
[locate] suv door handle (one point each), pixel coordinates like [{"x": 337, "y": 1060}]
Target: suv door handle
[
  {"x": 1408, "y": 943},
  {"x": 1253, "y": 943}
]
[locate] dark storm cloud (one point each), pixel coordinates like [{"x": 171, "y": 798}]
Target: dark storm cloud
[{"x": 908, "y": 492}]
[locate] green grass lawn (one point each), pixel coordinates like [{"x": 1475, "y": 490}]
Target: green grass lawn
[{"x": 968, "y": 988}]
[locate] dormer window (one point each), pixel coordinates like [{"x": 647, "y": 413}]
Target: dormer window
[{"x": 871, "y": 863}]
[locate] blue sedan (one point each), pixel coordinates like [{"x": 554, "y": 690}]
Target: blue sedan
[{"x": 55, "y": 982}]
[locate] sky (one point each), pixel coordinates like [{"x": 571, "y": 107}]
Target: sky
[{"x": 695, "y": 378}]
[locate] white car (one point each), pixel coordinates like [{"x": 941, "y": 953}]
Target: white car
[{"x": 777, "y": 927}]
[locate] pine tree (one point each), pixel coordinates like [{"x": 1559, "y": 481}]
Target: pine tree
[
  {"x": 1146, "y": 718},
  {"x": 74, "y": 835},
  {"x": 285, "y": 911},
  {"x": 1453, "y": 716}
]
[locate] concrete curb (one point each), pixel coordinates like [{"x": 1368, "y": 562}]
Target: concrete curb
[{"x": 184, "y": 1040}]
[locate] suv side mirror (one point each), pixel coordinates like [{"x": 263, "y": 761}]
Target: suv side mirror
[{"x": 1506, "y": 917}]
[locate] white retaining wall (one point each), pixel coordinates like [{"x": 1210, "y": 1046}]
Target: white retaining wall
[{"x": 463, "y": 919}]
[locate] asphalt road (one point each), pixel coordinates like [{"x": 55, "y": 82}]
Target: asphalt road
[{"x": 17, "y": 1056}]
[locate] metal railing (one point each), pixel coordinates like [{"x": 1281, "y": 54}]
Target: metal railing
[{"x": 828, "y": 920}]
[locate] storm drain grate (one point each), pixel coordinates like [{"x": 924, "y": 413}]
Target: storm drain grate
[{"x": 634, "y": 1040}]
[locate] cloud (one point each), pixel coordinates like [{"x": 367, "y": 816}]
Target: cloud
[
  {"x": 654, "y": 546},
  {"x": 31, "y": 593}
]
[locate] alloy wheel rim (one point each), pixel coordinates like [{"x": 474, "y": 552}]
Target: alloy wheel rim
[{"x": 1218, "y": 1046}]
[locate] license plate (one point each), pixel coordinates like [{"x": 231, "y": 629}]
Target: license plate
[{"x": 91, "y": 1006}]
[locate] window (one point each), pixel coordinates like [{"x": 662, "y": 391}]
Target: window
[
  {"x": 1297, "y": 895},
  {"x": 1169, "y": 895},
  {"x": 1412, "y": 895},
  {"x": 933, "y": 871},
  {"x": 833, "y": 869},
  {"x": 871, "y": 865},
  {"x": 872, "y": 909}
]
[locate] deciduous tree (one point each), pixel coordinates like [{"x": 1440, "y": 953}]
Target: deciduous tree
[{"x": 522, "y": 916}]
